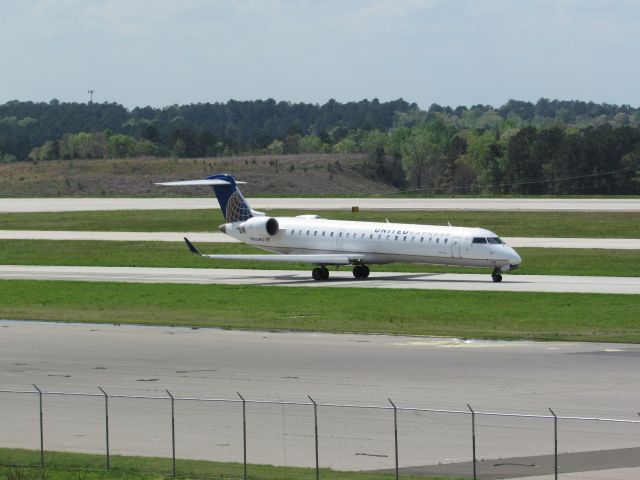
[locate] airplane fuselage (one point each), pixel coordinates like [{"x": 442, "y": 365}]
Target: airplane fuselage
[
  {"x": 320, "y": 242},
  {"x": 383, "y": 242}
]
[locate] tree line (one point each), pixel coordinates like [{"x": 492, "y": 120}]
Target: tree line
[{"x": 549, "y": 147}]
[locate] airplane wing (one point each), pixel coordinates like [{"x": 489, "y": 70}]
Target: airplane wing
[
  {"x": 205, "y": 181},
  {"x": 316, "y": 259}
]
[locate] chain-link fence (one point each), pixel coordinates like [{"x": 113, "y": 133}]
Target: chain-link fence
[{"x": 237, "y": 436}]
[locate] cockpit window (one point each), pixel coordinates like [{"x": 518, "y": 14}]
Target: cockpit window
[
  {"x": 479, "y": 240},
  {"x": 495, "y": 240}
]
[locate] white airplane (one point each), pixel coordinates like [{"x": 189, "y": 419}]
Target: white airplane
[{"x": 321, "y": 242}]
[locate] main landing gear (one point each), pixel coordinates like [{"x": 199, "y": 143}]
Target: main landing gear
[
  {"x": 360, "y": 272},
  {"x": 496, "y": 276},
  {"x": 320, "y": 273}
]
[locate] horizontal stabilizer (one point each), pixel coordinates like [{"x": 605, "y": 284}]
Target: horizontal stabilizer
[{"x": 205, "y": 181}]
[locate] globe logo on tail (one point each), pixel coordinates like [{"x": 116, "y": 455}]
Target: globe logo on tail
[{"x": 237, "y": 209}]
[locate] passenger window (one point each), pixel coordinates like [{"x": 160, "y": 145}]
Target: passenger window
[
  {"x": 446, "y": 240},
  {"x": 315, "y": 234},
  {"x": 371, "y": 236},
  {"x": 388, "y": 236},
  {"x": 437, "y": 240},
  {"x": 347, "y": 234},
  {"x": 362, "y": 236},
  {"x": 307, "y": 232},
  {"x": 404, "y": 239},
  {"x": 422, "y": 239},
  {"x": 379, "y": 236},
  {"x": 332, "y": 234},
  {"x": 413, "y": 238},
  {"x": 323, "y": 233},
  {"x": 396, "y": 237},
  {"x": 340, "y": 234}
]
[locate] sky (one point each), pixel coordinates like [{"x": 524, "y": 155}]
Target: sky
[{"x": 450, "y": 52}]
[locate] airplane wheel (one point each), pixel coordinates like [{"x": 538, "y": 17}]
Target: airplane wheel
[
  {"x": 360, "y": 271},
  {"x": 316, "y": 273},
  {"x": 320, "y": 273},
  {"x": 496, "y": 277},
  {"x": 325, "y": 273}
]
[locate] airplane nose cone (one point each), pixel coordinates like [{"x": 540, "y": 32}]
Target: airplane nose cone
[{"x": 514, "y": 258}]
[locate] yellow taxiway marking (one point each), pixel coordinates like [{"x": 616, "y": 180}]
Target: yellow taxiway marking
[{"x": 453, "y": 344}]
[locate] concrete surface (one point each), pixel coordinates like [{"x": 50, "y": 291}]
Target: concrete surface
[
  {"x": 575, "y": 379},
  {"x": 339, "y": 279},
  {"x": 313, "y": 204}
]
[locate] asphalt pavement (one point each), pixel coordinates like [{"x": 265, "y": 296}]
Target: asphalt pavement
[
  {"x": 595, "y": 380},
  {"x": 338, "y": 279}
]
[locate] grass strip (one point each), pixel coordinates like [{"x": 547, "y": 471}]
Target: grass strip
[
  {"x": 63, "y": 465},
  {"x": 537, "y": 261},
  {"x": 521, "y": 224},
  {"x": 489, "y": 315}
]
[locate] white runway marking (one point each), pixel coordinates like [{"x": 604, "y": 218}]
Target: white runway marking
[
  {"x": 314, "y": 204},
  {"x": 339, "y": 279}
]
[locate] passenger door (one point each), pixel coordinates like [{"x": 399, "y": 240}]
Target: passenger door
[{"x": 455, "y": 247}]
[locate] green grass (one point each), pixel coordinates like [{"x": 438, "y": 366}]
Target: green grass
[
  {"x": 491, "y": 315},
  {"x": 526, "y": 224},
  {"x": 64, "y": 466},
  {"x": 537, "y": 261}
]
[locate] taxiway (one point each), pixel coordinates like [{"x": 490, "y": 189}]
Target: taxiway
[{"x": 8, "y": 205}]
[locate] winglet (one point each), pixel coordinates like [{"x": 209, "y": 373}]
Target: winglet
[{"x": 193, "y": 249}]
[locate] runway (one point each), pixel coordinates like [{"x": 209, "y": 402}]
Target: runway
[
  {"x": 339, "y": 279},
  {"x": 8, "y": 205},
  {"x": 590, "y": 243},
  {"x": 575, "y": 379}
]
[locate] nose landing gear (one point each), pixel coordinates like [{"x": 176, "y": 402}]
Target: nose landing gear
[{"x": 496, "y": 276}]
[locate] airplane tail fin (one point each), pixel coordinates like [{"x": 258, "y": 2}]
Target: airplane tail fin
[{"x": 233, "y": 205}]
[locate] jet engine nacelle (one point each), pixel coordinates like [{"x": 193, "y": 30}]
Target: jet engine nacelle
[{"x": 259, "y": 226}]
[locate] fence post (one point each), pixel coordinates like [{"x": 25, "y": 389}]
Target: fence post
[
  {"x": 315, "y": 424},
  {"x": 106, "y": 423},
  {"x": 555, "y": 443},
  {"x": 395, "y": 433},
  {"x": 173, "y": 433},
  {"x": 41, "y": 427},
  {"x": 473, "y": 439},
  {"x": 244, "y": 433}
]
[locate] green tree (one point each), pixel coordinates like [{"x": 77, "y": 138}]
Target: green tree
[
  {"x": 276, "y": 147},
  {"x": 346, "y": 145},
  {"x": 121, "y": 146},
  {"x": 310, "y": 144}
]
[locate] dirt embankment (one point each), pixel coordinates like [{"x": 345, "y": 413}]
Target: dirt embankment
[{"x": 265, "y": 175}]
